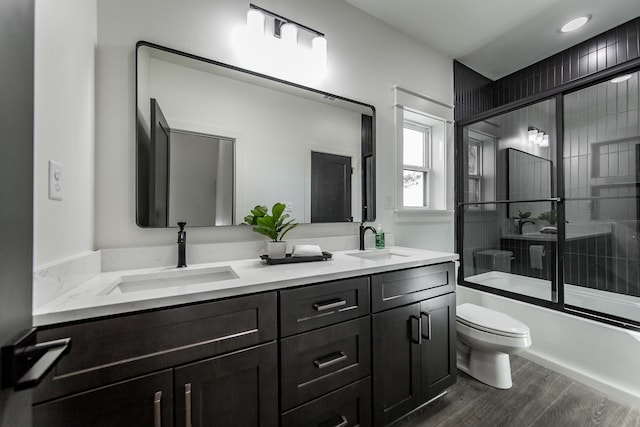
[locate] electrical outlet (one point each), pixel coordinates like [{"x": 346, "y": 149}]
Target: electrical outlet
[
  {"x": 288, "y": 206},
  {"x": 56, "y": 183}
]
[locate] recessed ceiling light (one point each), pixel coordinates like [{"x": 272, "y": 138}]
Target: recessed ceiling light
[
  {"x": 621, "y": 78},
  {"x": 574, "y": 24}
]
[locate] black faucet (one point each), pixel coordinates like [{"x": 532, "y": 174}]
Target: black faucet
[
  {"x": 521, "y": 224},
  {"x": 182, "y": 245},
  {"x": 363, "y": 229}
]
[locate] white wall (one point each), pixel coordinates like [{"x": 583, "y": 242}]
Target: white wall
[
  {"x": 365, "y": 59},
  {"x": 65, "y": 38}
]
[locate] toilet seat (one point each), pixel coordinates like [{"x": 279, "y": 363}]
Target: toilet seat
[{"x": 490, "y": 321}]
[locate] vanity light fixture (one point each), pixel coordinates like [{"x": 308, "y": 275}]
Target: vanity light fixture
[
  {"x": 538, "y": 137},
  {"x": 574, "y": 24},
  {"x": 621, "y": 79},
  {"x": 287, "y": 31}
]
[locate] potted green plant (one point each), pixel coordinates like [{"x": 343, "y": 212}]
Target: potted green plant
[
  {"x": 274, "y": 226},
  {"x": 549, "y": 216}
]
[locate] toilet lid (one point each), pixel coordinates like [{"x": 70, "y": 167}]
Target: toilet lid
[{"x": 490, "y": 321}]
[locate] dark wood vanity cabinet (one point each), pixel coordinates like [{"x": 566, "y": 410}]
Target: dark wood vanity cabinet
[
  {"x": 225, "y": 351},
  {"x": 414, "y": 356},
  {"x": 352, "y": 352}
]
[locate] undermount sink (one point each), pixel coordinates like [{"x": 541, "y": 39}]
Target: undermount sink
[
  {"x": 170, "y": 278},
  {"x": 378, "y": 254}
]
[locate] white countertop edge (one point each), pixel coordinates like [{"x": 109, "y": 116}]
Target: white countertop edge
[{"x": 84, "y": 301}]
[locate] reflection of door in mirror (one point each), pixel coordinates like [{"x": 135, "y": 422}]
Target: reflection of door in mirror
[
  {"x": 200, "y": 179},
  {"x": 158, "y": 168},
  {"x": 330, "y": 188},
  {"x": 189, "y": 178}
]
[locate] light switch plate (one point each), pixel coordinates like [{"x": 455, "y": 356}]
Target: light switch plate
[{"x": 56, "y": 186}]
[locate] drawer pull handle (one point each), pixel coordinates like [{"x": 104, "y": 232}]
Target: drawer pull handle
[
  {"x": 328, "y": 305},
  {"x": 187, "y": 402},
  {"x": 341, "y": 422},
  {"x": 416, "y": 332},
  {"x": 329, "y": 360},
  {"x": 428, "y": 316},
  {"x": 157, "y": 409}
]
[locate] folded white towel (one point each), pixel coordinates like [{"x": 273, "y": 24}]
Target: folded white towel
[
  {"x": 306, "y": 250},
  {"x": 536, "y": 252}
]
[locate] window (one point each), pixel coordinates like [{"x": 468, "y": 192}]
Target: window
[
  {"x": 416, "y": 156},
  {"x": 424, "y": 134},
  {"x": 475, "y": 170}
]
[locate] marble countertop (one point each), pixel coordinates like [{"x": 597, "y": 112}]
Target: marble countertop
[{"x": 92, "y": 298}]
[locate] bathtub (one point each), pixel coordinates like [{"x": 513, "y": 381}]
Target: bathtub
[
  {"x": 602, "y": 356},
  {"x": 625, "y": 306}
]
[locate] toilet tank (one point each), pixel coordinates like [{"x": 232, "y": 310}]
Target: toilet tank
[{"x": 492, "y": 260}]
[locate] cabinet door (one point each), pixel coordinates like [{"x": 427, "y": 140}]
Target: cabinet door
[
  {"x": 438, "y": 349},
  {"x": 396, "y": 363},
  {"x": 144, "y": 401},
  {"x": 236, "y": 389}
]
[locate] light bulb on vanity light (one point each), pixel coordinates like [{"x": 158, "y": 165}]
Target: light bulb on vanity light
[
  {"x": 255, "y": 23},
  {"x": 545, "y": 141},
  {"x": 289, "y": 35},
  {"x": 319, "y": 50},
  {"x": 533, "y": 134}
]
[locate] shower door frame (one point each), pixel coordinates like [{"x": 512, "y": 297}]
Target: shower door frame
[{"x": 558, "y": 94}]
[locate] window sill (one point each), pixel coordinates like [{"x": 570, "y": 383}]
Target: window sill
[{"x": 423, "y": 215}]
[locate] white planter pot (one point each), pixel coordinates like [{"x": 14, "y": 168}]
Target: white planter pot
[{"x": 277, "y": 250}]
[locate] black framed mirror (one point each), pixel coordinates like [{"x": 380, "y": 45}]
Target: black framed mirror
[{"x": 214, "y": 140}]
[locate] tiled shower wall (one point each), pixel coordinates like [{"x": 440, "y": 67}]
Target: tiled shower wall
[{"x": 475, "y": 93}]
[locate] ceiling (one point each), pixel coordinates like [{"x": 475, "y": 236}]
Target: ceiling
[{"x": 498, "y": 37}]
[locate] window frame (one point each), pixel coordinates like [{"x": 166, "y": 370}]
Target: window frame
[{"x": 426, "y": 161}]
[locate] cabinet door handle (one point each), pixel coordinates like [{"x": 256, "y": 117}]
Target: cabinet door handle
[
  {"x": 428, "y": 316},
  {"x": 157, "y": 409},
  {"x": 416, "y": 332},
  {"x": 328, "y": 305},
  {"x": 329, "y": 360},
  {"x": 341, "y": 419},
  {"x": 187, "y": 402}
]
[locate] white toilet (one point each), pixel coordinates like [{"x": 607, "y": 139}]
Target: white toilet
[{"x": 486, "y": 338}]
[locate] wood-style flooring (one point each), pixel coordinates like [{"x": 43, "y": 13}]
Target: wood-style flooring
[{"x": 539, "y": 397}]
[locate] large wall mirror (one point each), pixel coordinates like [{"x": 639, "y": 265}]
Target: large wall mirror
[{"x": 215, "y": 140}]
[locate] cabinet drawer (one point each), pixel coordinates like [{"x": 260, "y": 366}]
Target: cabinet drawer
[
  {"x": 315, "y": 306},
  {"x": 398, "y": 288},
  {"x": 108, "y": 350},
  {"x": 346, "y": 407},
  {"x": 320, "y": 361}
]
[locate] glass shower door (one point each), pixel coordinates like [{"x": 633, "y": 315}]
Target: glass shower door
[
  {"x": 601, "y": 155},
  {"x": 509, "y": 239}
]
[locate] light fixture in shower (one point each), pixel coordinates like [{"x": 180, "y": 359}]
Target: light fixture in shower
[
  {"x": 538, "y": 137},
  {"x": 574, "y": 24},
  {"x": 621, "y": 79}
]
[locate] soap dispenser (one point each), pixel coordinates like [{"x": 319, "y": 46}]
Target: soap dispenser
[{"x": 379, "y": 237}]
